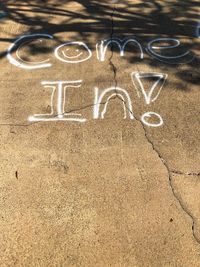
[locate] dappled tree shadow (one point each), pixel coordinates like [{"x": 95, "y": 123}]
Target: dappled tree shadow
[{"x": 145, "y": 20}]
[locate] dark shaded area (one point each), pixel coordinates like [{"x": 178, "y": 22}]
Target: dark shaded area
[{"x": 145, "y": 20}]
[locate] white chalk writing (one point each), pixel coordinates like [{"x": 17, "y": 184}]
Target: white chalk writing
[
  {"x": 102, "y": 99},
  {"x": 58, "y": 100}
]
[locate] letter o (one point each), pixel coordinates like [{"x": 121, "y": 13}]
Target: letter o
[
  {"x": 73, "y": 59},
  {"x": 149, "y": 115}
]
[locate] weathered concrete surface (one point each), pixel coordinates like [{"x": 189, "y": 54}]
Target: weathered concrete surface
[{"x": 109, "y": 192}]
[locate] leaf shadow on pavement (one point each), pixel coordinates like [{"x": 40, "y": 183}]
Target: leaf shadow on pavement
[{"x": 145, "y": 20}]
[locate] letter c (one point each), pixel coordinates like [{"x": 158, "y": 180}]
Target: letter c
[{"x": 25, "y": 64}]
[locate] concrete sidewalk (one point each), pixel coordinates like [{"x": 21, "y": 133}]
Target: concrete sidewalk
[{"x": 99, "y": 133}]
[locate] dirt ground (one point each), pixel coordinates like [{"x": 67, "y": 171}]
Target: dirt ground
[{"x": 100, "y": 142}]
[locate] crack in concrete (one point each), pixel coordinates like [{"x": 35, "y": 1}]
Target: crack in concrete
[
  {"x": 186, "y": 173},
  {"x": 113, "y": 67},
  {"x": 170, "y": 172},
  {"x": 17, "y": 125}
]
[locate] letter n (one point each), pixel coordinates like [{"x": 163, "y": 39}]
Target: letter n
[{"x": 103, "y": 97}]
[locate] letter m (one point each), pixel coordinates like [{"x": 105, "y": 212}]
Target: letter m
[{"x": 120, "y": 43}]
